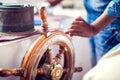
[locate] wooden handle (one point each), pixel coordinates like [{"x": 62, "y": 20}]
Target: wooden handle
[
  {"x": 78, "y": 69},
  {"x": 43, "y": 15},
  {"x": 5, "y": 72}
]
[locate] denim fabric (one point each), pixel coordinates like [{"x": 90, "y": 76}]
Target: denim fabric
[
  {"x": 113, "y": 8},
  {"x": 109, "y": 36}
]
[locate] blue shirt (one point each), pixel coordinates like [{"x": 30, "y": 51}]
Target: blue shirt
[
  {"x": 96, "y": 7},
  {"x": 110, "y": 35}
]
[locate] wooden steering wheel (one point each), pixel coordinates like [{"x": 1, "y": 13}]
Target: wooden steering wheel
[
  {"x": 40, "y": 63},
  {"x": 51, "y": 57}
]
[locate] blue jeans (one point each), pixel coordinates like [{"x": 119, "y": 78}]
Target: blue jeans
[{"x": 103, "y": 42}]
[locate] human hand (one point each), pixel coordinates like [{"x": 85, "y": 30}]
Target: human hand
[
  {"x": 79, "y": 27},
  {"x": 53, "y": 2}
]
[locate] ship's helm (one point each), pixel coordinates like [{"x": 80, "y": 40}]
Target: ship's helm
[{"x": 51, "y": 57}]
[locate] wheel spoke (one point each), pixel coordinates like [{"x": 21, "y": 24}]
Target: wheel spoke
[
  {"x": 48, "y": 56},
  {"x": 60, "y": 53}
]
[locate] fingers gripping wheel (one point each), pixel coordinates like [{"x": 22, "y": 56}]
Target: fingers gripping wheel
[{"x": 50, "y": 58}]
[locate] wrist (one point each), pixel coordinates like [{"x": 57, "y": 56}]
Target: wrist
[{"x": 94, "y": 30}]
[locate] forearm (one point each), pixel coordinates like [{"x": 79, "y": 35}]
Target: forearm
[{"x": 101, "y": 22}]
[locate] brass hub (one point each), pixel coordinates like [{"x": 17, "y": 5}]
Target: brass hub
[{"x": 56, "y": 71}]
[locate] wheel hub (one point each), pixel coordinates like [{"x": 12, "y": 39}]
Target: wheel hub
[{"x": 56, "y": 71}]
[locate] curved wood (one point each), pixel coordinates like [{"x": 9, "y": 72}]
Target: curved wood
[{"x": 37, "y": 51}]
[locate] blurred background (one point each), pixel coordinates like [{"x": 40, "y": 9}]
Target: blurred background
[{"x": 60, "y": 17}]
